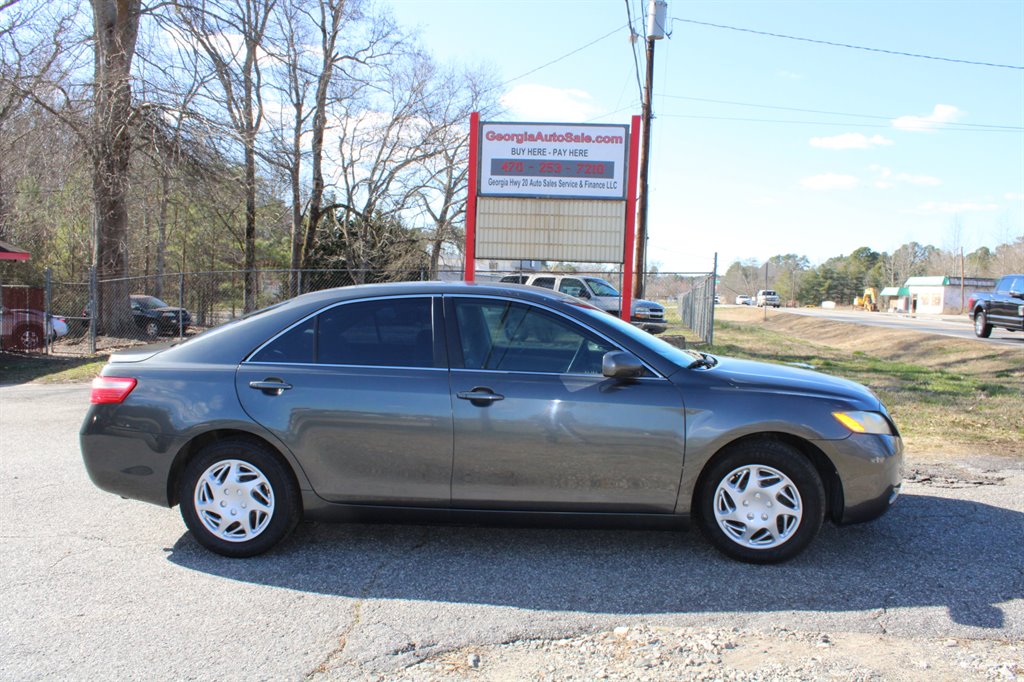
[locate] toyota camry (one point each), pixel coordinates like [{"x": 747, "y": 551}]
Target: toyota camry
[{"x": 454, "y": 402}]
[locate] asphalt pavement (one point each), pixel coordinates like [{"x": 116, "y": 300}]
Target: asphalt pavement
[
  {"x": 96, "y": 587},
  {"x": 957, "y": 326}
]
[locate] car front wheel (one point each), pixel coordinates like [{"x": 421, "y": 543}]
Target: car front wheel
[
  {"x": 238, "y": 499},
  {"x": 761, "y": 502},
  {"x": 982, "y": 329}
]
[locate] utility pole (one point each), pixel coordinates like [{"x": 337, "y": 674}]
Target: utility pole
[{"x": 656, "y": 12}]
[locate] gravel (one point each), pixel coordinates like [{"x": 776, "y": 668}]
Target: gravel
[{"x": 657, "y": 653}]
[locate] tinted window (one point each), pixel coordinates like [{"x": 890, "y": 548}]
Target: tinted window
[
  {"x": 385, "y": 333},
  {"x": 546, "y": 282},
  {"x": 573, "y": 287},
  {"x": 294, "y": 346},
  {"x": 513, "y": 337}
]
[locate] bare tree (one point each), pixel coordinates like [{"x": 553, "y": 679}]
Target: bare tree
[
  {"x": 382, "y": 142},
  {"x": 232, "y": 36},
  {"x": 33, "y": 44},
  {"x": 442, "y": 193}
]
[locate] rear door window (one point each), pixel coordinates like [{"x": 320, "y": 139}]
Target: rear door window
[
  {"x": 394, "y": 332},
  {"x": 573, "y": 287},
  {"x": 382, "y": 333},
  {"x": 546, "y": 282}
]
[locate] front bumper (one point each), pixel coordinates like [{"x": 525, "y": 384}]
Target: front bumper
[
  {"x": 649, "y": 326},
  {"x": 870, "y": 469}
]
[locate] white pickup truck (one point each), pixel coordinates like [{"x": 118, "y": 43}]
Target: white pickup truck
[{"x": 768, "y": 297}]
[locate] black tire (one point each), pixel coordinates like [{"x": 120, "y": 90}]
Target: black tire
[
  {"x": 982, "y": 329},
  {"x": 151, "y": 329},
  {"x": 28, "y": 337},
  {"x": 248, "y": 463},
  {"x": 763, "y": 459}
]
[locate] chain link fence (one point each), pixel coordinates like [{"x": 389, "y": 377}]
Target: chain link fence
[
  {"x": 697, "y": 308},
  {"x": 102, "y": 315}
]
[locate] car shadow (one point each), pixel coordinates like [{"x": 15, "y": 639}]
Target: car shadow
[{"x": 927, "y": 551}]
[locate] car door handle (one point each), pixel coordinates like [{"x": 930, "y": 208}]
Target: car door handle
[
  {"x": 270, "y": 386},
  {"x": 480, "y": 395}
]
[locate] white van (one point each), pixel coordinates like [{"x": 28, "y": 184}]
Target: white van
[{"x": 647, "y": 315}]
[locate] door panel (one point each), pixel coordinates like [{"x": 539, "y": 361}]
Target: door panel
[
  {"x": 360, "y": 394},
  {"x": 538, "y": 427},
  {"x": 572, "y": 443}
]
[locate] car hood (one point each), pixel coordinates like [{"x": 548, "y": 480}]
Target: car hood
[
  {"x": 749, "y": 375},
  {"x": 166, "y": 309},
  {"x": 644, "y": 302}
]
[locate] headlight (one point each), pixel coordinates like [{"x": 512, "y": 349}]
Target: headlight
[{"x": 864, "y": 422}]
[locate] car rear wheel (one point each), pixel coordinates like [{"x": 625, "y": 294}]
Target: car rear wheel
[
  {"x": 238, "y": 499},
  {"x": 761, "y": 502},
  {"x": 982, "y": 329},
  {"x": 28, "y": 337}
]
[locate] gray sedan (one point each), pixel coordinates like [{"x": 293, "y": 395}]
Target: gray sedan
[{"x": 442, "y": 401}]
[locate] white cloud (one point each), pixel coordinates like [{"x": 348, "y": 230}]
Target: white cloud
[
  {"x": 941, "y": 114},
  {"x": 888, "y": 180},
  {"x": 827, "y": 181},
  {"x": 920, "y": 180},
  {"x": 531, "y": 102},
  {"x": 955, "y": 207},
  {"x": 850, "y": 141},
  {"x": 1014, "y": 196},
  {"x": 789, "y": 75}
]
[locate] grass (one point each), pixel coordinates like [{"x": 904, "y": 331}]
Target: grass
[
  {"x": 948, "y": 395},
  {"x": 20, "y": 368}
]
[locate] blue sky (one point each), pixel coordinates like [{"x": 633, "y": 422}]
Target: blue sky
[{"x": 906, "y": 159}]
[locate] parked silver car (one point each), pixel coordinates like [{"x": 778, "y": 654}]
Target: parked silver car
[{"x": 438, "y": 401}]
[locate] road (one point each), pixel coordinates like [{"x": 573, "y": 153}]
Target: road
[
  {"x": 96, "y": 587},
  {"x": 946, "y": 325}
]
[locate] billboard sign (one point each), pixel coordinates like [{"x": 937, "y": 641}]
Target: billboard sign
[{"x": 553, "y": 160}]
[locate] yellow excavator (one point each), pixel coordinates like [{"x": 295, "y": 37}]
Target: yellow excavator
[{"x": 869, "y": 301}]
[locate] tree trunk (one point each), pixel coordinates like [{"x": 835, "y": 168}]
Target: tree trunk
[{"x": 116, "y": 24}]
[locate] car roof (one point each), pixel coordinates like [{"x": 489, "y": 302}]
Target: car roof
[{"x": 229, "y": 343}]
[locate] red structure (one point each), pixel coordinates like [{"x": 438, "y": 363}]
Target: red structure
[{"x": 11, "y": 252}]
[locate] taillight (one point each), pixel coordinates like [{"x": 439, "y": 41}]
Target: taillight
[{"x": 110, "y": 390}]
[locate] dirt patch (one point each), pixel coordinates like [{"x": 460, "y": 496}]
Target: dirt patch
[{"x": 653, "y": 653}]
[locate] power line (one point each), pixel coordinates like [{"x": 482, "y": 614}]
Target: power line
[
  {"x": 832, "y": 113},
  {"x": 829, "y": 123},
  {"x": 612, "y": 113},
  {"x": 565, "y": 56},
  {"x": 632, "y": 44},
  {"x": 851, "y": 47}
]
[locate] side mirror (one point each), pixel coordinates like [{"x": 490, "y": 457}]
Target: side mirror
[{"x": 618, "y": 364}]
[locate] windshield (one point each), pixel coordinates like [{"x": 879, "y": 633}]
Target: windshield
[
  {"x": 150, "y": 302},
  {"x": 601, "y": 287}
]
